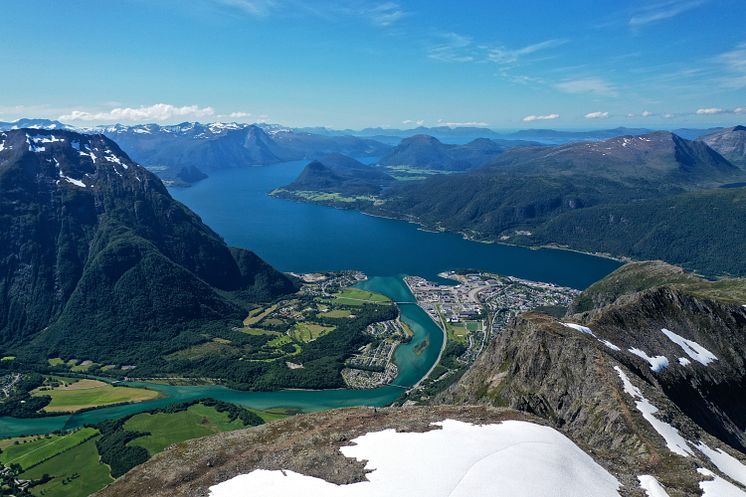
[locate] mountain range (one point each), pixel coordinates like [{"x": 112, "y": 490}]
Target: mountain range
[
  {"x": 180, "y": 153},
  {"x": 100, "y": 263},
  {"x": 427, "y": 152}
]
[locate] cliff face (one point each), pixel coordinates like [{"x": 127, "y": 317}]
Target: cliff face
[{"x": 681, "y": 346}]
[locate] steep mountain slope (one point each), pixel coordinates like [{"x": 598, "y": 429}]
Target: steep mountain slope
[
  {"x": 99, "y": 262},
  {"x": 176, "y": 152},
  {"x": 652, "y": 378},
  {"x": 730, "y": 143},
  {"x": 427, "y": 152},
  {"x": 700, "y": 230}
]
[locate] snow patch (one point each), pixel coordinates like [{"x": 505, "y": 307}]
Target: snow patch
[
  {"x": 725, "y": 462},
  {"x": 657, "y": 363},
  {"x": 674, "y": 441},
  {"x": 513, "y": 458},
  {"x": 684, "y": 361},
  {"x": 113, "y": 158},
  {"x": 651, "y": 486},
  {"x": 580, "y": 328},
  {"x": 718, "y": 487},
  {"x": 692, "y": 348},
  {"x": 73, "y": 181},
  {"x": 609, "y": 344},
  {"x": 46, "y": 139}
]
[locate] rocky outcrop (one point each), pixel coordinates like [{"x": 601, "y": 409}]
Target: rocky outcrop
[
  {"x": 681, "y": 346},
  {"x": 307, "y": 444}
]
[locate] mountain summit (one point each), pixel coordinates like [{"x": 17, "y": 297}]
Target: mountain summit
[{"x": 98, "y": 262}]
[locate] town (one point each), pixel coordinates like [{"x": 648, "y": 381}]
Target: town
[{"x": 479, "y": 305}]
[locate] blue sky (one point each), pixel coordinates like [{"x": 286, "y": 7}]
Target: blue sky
[{"x": 358, "y": 63}]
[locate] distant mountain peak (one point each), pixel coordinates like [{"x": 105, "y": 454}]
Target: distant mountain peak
[{"x": 71, "y": 159}]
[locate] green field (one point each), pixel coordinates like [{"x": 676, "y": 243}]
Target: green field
[
  {"x": 258, "y": 314},
  {"x": 336, "y": 313},
  {"x": 86, "y": 393},
  {"x": 356, "y": 296},
  {"x": 56, "y": 361},
  {"x": 170, "y": 428},
  {"x": 84, "y": 366},
  {"x": 75, "y": 473},
  {"x": 306, "y": 332},
  {"x": 457, "y": 332},
  {"x": 33, "y": 452},
  {"x": 8, "y": 358},
  {"x": 314, "y": 196}
]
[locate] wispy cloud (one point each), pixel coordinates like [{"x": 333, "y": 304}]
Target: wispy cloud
[
  {"x": 462, "y": 124},
  {"x": 597, "y": 115},
  {"x": 592, "y": 85},
  {"x": 734, "y": 63},
  {"x": 455, "y": 47},
  {"x": 661, "y": 11},
  {"x": 257, "y": 8},
  {"x": 452, "y": 47},
  {"x": 387, "y": 14},
  {"x": 711, "y": 111},
  {"x": 504, "y": 55},
  {"x": 378, "y": 14},
  {"x": 157, "y": 112},
  {"x": 545, "y": 117},
  {"x": 410, "y": 122}
]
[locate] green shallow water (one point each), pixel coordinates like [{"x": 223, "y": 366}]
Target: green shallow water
[{"x": 413, "y": 365}]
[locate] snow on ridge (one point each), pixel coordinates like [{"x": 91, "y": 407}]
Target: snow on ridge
[
  {"x": 657, "y": 363},
  {"x": 674, "y": 441},
  {"x": 609, "y": 344},
  {"x": 516, "y": 458},
  {"x": 45, "y": 139},
  {"x": 726, "y": 463},
  {"x": 580, "y": 328},
  {"x": 652, "y": 486},
  {"x": 692, "y": 348},
  {"x": 718, "y": 487},
  {"x": 588, "y": 331}
]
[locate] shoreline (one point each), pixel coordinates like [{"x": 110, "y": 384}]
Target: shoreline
[
  {"x": 466, "y": 236},
  {"x": 442, "y": 347}
]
